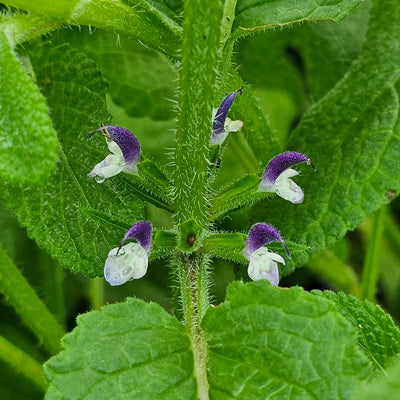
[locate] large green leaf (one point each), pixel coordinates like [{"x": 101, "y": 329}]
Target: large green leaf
[
  {"x": 63, "y": 216},
  {"x": 28, "y": 143},
  {"x": 130, "y": 350},
  {"x": 269, "y": 342},
  {"x": 253, "y": 15},
  {"x": 352, "y": 136},
  {"x": 378, "y": 335}
]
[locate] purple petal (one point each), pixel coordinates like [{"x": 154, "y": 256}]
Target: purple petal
[
  {"x": 140, "y": 232},
  {"x": 125, "y": 139},
  {"x": 222, "y": 112},
  {"x": 282, "y": 162},
  {"x": 262, "y": 234}
]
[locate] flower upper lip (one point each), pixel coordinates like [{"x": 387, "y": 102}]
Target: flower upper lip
[{"x": 277, "y": 174}]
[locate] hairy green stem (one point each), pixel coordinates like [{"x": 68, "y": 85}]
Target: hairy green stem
[
  {"x": 201, "y": 34},
  {"x": 28, "y": 305},
  {"x": 371, "y": 263},
  {"x": 194, "y": 299},
  {"x": 22, "y": 362}
]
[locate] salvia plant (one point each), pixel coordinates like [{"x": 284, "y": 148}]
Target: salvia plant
[{"x": 184, "y": 158}]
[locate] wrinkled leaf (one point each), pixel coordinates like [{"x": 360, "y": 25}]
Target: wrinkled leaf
[
  {"x": 28, "y": 142},
  {"x": 126, "y": 350},
  {"x": 268, "y": 342}
]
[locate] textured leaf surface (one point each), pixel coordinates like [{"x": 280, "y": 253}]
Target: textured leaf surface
[
  {"x": 142, "y": 81},
  {"x": 57, "y": 215},
  {"x": 262, "y": 14},
  {"x": 28, "y": 142},
  {"x": 130, "y": 350},
  {"x": 269, "y": 342},
  {"x": 352, "y": 136},
  {"x": 378, "y": 336}
]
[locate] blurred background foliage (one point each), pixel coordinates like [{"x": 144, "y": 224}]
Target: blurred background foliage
[{"x": 284, "y": 69}]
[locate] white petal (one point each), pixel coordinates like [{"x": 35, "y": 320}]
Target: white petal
[
  {"x": 263, "y": 265},
  {"x": 233, "y": 126},
  {"x": 287, "y": 189},
  {"x": 114, "y": 148},
  {"x": 130, "y": 263},
  {"x": 110, "y": 166}
]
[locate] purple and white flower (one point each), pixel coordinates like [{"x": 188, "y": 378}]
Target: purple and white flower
[
  {"x": 223, "y": 125},
  {"x": 124, "y": 157},
  {"x": 129, "y": 261},
  {"x": 276, "y": 177},
  {"x": 263, "y": 263}
]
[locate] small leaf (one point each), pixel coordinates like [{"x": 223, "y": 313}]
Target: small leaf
[
  {"x": 111, "y": 15},
  {"x": 252, "y": 15},
  {"x": 28, "y": 143},
  {"x": 378, "y": 336},
  {"x": 266, "y": 342},
  {"x": 238, "y": 195},
  {"x": 164, "y": 244},
  {"x": 126, "y": 350}
]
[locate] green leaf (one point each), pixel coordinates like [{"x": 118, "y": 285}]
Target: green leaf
[
  {"x": 252, "y": 15},
  {"x": 352, "y": 137},
  {"x": 28, "y": 143},
  {"x": 127, "y": 350},
  {"x": 142, "y": 81},
  {"x": 270, "y": 342},
  {"x": 55, "y": 214},
  {"x": 240, "y": 194},
  {"x": 111, "y": 15},
  {"x": 378, "y": 336}
]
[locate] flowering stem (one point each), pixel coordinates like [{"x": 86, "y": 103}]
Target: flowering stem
[
  {"x": 194, "y": 299},
  {"x": 201, "y": 33},
  {"x": 371, "y": 263}
]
